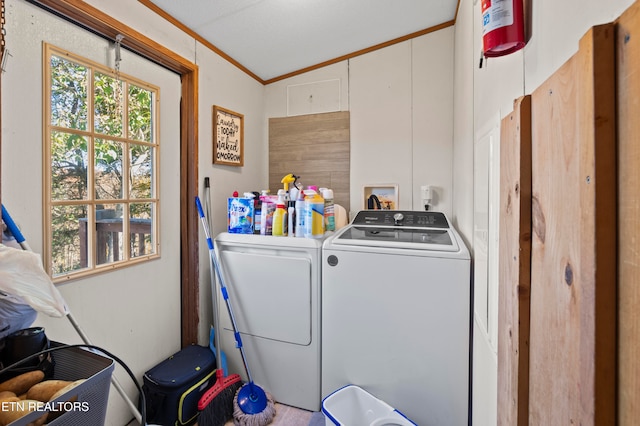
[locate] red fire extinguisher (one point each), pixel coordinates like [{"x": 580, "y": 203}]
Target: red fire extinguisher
[{"x": 502, "y": 27}]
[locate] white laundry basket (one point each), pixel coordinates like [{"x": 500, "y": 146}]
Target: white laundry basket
[{"x": 353, "y": 406}]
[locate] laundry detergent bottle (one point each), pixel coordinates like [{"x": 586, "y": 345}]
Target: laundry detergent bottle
[
  {"x": 314, "y": 217},
  {"x": 279, "y": 221},
  {"x": 280, "y": 215},
  {"x": 300, "y": 211}
]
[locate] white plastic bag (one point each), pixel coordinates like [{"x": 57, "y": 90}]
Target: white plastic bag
[{"x": 23, "y": 277}]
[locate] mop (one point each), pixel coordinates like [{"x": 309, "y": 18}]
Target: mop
[
  {"x": 57, "y": 307},
  {"x": 212, "y": 332},
  {"x": 252, "y": 406},
  {"x": 216, "y": 404}
]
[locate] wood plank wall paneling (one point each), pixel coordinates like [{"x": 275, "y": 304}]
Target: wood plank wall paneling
[
  {"x": 628, "y": 81},
  {"x": 315, "y": 147},
  {"x": 515, "y": 265},
  {"x": 573, "y": 275}
]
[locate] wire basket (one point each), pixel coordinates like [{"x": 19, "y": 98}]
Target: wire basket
[{"x": 85, "y": 404}]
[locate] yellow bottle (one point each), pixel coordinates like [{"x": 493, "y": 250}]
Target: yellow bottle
[
  {"x": 280, "y": 221},
  {"x": 314, "y": 218}
]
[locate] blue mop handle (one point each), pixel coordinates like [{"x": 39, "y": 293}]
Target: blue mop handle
[
  {"x": 13, "y": 228},
  {"x": 205, "y": 225},
  {"x": 223, "y": 287}
]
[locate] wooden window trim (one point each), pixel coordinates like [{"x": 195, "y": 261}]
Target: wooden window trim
[{"x": 96, "y": 21}]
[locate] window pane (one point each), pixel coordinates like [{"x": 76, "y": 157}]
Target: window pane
[
  {"x": 69, "y": 238},
  {"x": 140, "y": 114},
  {"x": 68, "y": 166},
  {"x": 109, "y": 247},
  {"x": 103, "y": 206},
  {"x": 141, "y": 229},
  {"x": 141, "y": 170},
  {"x": 108, "y": 169},
  {"x": 68, "y": 94},
  {"x": 108, "y": 101}
]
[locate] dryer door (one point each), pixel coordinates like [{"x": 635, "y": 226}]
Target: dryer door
[{"x": 270, "y": 294}]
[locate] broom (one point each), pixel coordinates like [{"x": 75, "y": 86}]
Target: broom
[{"x": 216, "y": 404}]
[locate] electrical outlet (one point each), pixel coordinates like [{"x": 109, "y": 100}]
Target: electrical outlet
[{"x": 427, "y": 194}]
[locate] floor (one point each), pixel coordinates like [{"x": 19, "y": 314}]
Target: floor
[
  {"x": 285, "y": 416},
  {"x": 288, "y": 416}
]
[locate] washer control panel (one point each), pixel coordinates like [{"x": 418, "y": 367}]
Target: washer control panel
[{"x": 409, "y": 218}]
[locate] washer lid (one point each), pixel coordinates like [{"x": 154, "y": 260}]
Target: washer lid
[
  {"x": 437, "y": 239},
  {"x": 403, "y": 229}
]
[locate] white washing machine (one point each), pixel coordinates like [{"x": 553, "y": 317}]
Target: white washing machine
[
  {"x": 274, "y": 289},
  {"x": 396, "y": 306}
]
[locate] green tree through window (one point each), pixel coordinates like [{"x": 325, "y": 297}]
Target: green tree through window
[{"x": 101, "y": 199}]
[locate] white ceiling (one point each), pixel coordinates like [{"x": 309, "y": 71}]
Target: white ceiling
[{"x": 272, "y": 38}]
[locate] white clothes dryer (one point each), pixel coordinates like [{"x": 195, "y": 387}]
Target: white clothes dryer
[
  {"x": 274, "y": 289},
  {"x": 396, "y": 309}
]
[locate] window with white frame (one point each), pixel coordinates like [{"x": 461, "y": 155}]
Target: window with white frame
[{"x": 101, "y": 152}]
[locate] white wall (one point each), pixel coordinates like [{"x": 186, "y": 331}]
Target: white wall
[
  {"x": 223, "y": 85},
  {"x": 399, "y": 77},
  {"x": 276, "y": 95},
  {"x": 432, "y": 118},
  {"x": 381, "y": 122},
  {"x": 133, "y": 312},
  {"x": 126, "y": 310},
  {"x": 401, "y": 105},
  {"x": 496, "y": 85},
  {"x": 220, "y": 84}
]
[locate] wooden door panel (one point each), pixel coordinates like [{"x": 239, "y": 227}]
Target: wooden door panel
[
  {"x": 573, "y": 253},
  {"x": 515, "y": 265}
]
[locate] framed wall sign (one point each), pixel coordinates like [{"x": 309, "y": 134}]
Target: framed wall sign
[{"x": 228, "y": 137}]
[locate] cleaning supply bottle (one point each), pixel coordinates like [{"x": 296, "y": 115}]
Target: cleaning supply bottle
[
  {"x": 280, "y": 215},
  {"x": 300, "y": 214},
  {"x": 286, "y": 182},
  {"x": 329, "y": 209},
  {"x": 266, "y": 213},
  {"x": 257, "y": 213},
  {"x": 279, "y": 221},
  {"x": 314, "y": 218},
  {"x": 291, "y": 212},
  {"x": 252, "y": 207}
]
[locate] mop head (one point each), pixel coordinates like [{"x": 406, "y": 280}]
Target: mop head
[{"x": 261, "y": 418}]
